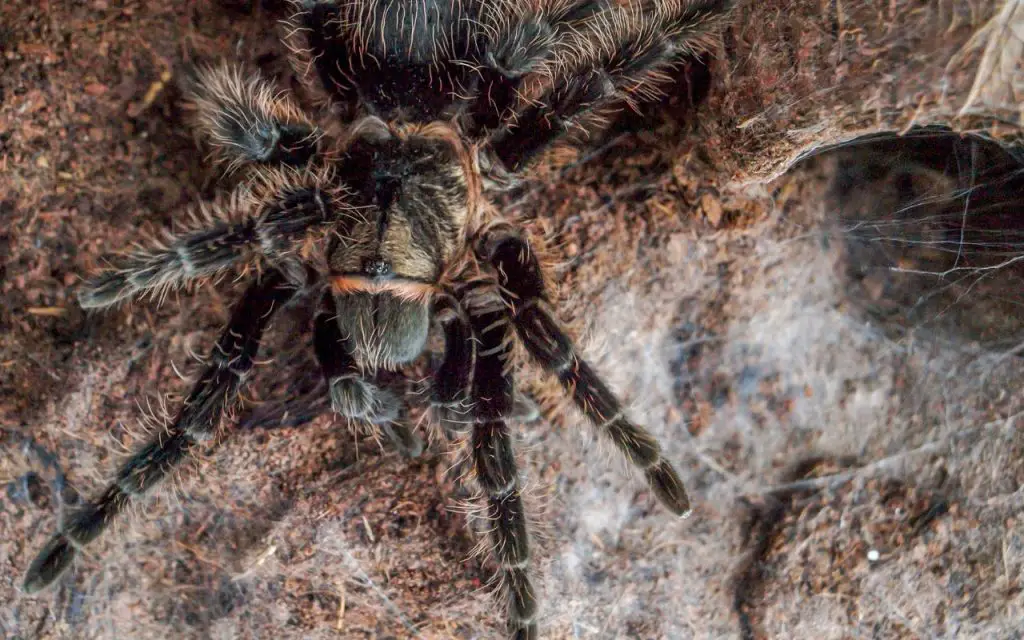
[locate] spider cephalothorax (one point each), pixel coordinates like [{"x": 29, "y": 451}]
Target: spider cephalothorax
[{"x": 383, "y": 216}]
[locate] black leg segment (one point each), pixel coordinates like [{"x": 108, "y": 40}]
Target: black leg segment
[
  {"x": 216, "y": 248},
  {"x": 522, "y": 288},
  {"x": 212, "y": 396},
  {"x": 495, "y": 467},
  {"x": 617, "y": 55}
]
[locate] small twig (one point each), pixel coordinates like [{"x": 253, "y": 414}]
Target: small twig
[
  {"x": 269, "y": 551},
  {"x": 340, "y": 624},
  {"x": 369, "y": 531},
  {"x": 54, "y": 312},
  {"x": 836, "y": 479},
  {"x": 716, "y": 466},
  {"x": 157, "y": 86}
]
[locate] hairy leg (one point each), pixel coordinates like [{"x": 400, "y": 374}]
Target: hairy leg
[
  {"x": 617, "y": 55},
  {"x": 523, "y": 290},
  {"x": 227, "y": 236},
  {"x": 245, "y": 121},
  {"x": 450, "y": 388},
  {"x": 490, "y": 442},
  {"x": 519, "y": 40},
  {"x": 213, "y": 395},
  {"x": 320, "y": 44}
]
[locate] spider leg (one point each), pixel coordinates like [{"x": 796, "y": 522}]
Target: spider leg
[
  {"x": 523, "y": 290},
  {"x": 618, "y": 55},
  {"x": 491, "y": 452},
  {"x": 518, "y": 41},
  {"x": 247, "y": 121},
  {"x": 449, "y": 391},
  {"x": 318, "y": 41},
  {"x": 212, "y": 396},
  {"x": 404, "y": 61},
  {"x": 352, "y": 395},
  {"x": 230, "y": 238}
]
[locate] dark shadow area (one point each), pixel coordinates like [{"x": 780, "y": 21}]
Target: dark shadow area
[{"x": 933, "y": 234}]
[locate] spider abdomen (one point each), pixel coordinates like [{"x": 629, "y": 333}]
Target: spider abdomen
[{"x": 383, "y": 330}]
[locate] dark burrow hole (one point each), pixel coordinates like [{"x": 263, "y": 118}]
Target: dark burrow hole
[{"x": 931, "y": 226}]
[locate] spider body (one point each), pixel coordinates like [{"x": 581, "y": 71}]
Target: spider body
[
  {"x": 412, "y": 201},
  {"x": 388, "y": 224}
]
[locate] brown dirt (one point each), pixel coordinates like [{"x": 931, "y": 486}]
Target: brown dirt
[{"x": 742, "y": 323}]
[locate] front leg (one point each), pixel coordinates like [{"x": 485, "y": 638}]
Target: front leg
[
  {"x": 246, "y": 121},
  {"x": 452, "y": 379},
  {"x": 268, "y": 223},
  {"x": 449, "y": 391},
  {"x": 352, "y": 395}
]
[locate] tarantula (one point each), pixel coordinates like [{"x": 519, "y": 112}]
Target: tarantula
[{"x": 381, "y": 213}]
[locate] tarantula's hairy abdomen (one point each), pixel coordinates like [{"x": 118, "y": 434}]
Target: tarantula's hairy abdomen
[{"x": 384, "y": 330}]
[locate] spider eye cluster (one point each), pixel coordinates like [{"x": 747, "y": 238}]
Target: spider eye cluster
[{"x": 381, "y": 170}]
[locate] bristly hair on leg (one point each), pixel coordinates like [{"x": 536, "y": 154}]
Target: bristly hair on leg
[
  {"x": 245, "y": 121},
  {"x": 520, "y": 45},
  {"x": 212, "y": 397},
  {"x": 619, "y": 55},
  {"x": 222, "y": 239},
  {"x": 524, "y": 293},
  {"x": 313, "y": 30},
  {"x": 273, "y": 217},
  {"x": 638, "y": 46}
]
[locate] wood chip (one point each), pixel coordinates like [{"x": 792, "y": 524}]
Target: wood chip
[{"x": 47, "y": 311}]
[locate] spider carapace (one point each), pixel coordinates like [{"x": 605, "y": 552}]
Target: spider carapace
[{"x": 377, "y": 205}]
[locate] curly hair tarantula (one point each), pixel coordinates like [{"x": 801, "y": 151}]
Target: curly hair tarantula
[{"x": 382, "y": 214}]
